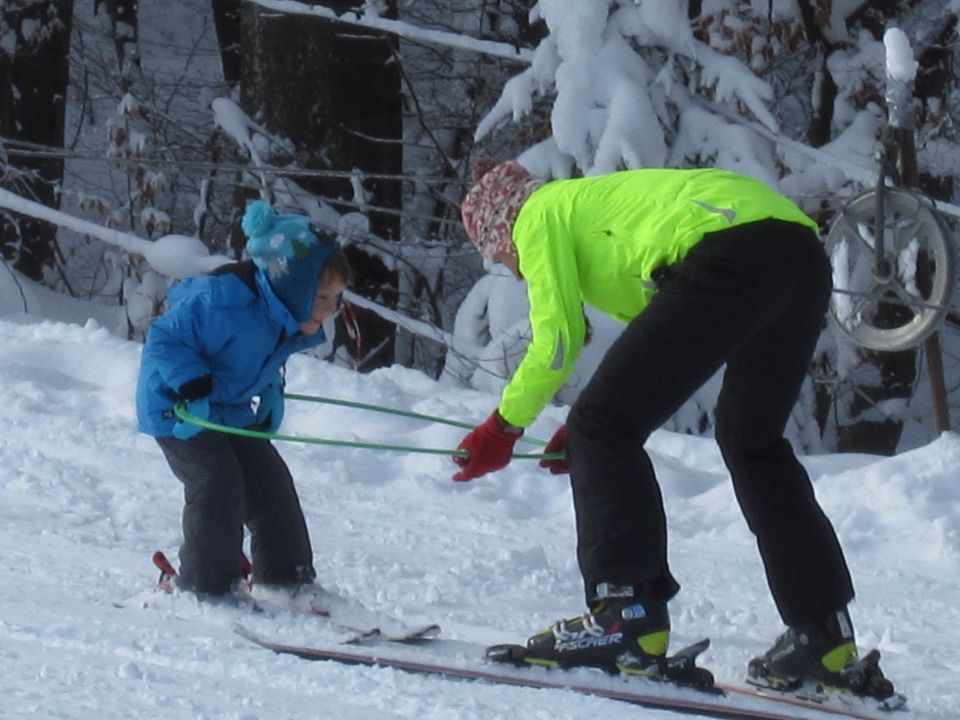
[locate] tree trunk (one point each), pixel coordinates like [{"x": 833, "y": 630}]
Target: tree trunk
[
  {"x": 226, "y": 18},
  {"x": 343, "y": 112},
  {"x": 33, "y": 88},
  {"x": 874, "y": 14},
  {"x": 124, "y": 28}
]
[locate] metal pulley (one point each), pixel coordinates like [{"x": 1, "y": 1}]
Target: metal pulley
[{"x": 892, "y": 287}]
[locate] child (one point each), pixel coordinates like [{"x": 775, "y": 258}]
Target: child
[{"x": 223, "y": 341}]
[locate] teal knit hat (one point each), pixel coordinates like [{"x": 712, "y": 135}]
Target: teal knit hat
[{"x": 290, "y": 251}]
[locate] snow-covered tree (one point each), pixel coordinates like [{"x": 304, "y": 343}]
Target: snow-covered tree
[
  {"x": 751, "y": 87},
  {"x": 161, "y": 140},
  {"x": 34, "y": 53}
]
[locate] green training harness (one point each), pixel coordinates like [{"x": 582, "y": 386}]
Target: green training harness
[{"x": 182, "y": 413}]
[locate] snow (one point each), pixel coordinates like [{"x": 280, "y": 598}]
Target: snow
[
  {"x": 176, "y": 256},
  {"x": 179, "y": 256},
  {"x": 85, "y": 500},
  {"x": 228, "y": 116},
  {"x": 20, "y": 296},
  {"x": 371, "y": 19},
  {"x": 609, "y": 97},
  {"x": 900, "y": 63}
]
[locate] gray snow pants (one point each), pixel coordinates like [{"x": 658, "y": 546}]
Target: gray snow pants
[
  {"x": 753, "y": 297},
  {"x": 228, "y": 482}
]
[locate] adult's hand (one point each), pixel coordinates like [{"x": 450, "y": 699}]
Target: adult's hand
[
  {"x": 490, "y": 447},
  {"x": 557, "y": 444}
]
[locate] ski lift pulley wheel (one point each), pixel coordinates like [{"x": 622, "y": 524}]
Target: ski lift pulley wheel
[{"x": 897, "y": 301}]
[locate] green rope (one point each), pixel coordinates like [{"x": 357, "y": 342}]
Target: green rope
[
  {"x": 182, "y": 413},
  {"x": 396, "y": 411}
]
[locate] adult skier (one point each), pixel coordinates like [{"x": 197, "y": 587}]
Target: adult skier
[{"x": 706, "y": 267}]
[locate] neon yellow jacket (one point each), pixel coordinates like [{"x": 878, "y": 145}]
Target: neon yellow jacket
[{"x": 597, "y": 240}]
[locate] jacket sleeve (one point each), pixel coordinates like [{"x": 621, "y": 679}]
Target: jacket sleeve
[
  {"x": 185, "y": 340},
  {"x": 556, "y": 322}
]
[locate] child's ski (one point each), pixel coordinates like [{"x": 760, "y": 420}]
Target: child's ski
[{"x": 360, "y": 621}]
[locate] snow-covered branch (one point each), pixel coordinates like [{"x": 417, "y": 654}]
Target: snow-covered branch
[
  {"x": 606, "y": 69},
  {"x": 418, "y": 327},
  {"x": 400, "y": 29},
  {"x": 175, "y": 256}
]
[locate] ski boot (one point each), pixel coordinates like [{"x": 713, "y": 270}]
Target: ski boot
[
  {"x": 822, "y": 656},
  {"x": 621, "y": 633},
  {"x": 617, "y": 634},
  {"x": 299, "y": 599}
]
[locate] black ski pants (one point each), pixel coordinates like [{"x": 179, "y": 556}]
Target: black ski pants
[
  {"x": 228, "y": 482},
  {"x": 754, "y": 298}
]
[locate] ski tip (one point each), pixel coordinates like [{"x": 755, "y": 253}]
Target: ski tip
[
  {"x": 162, "y": 563},
  {"x": 168, "y": 573},
  {"x": 416, "y": 635},
  {"x": 361, "y": 636},
  {"x": 427, "y": 632},
  {"x": 246, "y": 567}
]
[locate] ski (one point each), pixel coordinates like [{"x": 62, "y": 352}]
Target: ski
[
  {"x": 862, "y": 687},
  {"x": 678, "y": 669},
  {"x": 342, "y": 611},
  {"x": 168, "y": 573},
  {"x": 834, "y": 703},
  {"x": 360, "y": 622},
  {"x": 838, "y": 700},
  {"x": 724, "y": 703}
]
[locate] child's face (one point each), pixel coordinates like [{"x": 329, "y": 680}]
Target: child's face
[{"x": 324, "y": 305}]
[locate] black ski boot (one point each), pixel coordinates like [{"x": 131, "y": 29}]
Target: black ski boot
[
  {"x": 620, "y": 633},
  {"x": 823, "y": 655}
]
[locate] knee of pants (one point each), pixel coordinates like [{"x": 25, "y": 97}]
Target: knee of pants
[
  {"x": 214, "y": 490},
  {"x": 728, "y": 436},
  {"x": 740, "y": 446},
  {"x": 738, "y": 437},
  {"x": 767, "y": 477}
]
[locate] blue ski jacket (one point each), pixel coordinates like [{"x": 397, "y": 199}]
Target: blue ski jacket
[{"x": 229, "y": 326}]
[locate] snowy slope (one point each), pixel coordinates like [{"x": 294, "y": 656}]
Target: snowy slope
[{"x": 85, "y": 499}]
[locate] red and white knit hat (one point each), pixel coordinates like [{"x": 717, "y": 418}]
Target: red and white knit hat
[{"x": 492, "y": 204}]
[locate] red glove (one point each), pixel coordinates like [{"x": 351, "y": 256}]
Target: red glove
[
  {"x": 490, "y": 446},
  {"x": 557, "y": 444}
]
